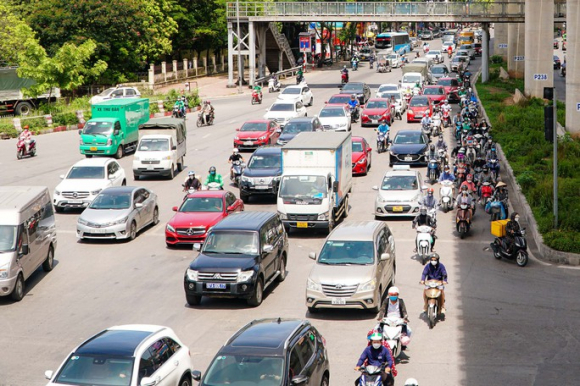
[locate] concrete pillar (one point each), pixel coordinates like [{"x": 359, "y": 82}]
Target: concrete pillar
[
  {"x": 539, "y": 66},
  {"x": 204, "y": 65},
  {"x": 572, "y": 67},
  {"x": 252, "y": 53},
  {"x": 175, "y": 69},
  {"x": 223, "y": 63},
  {"x": 516, "y": 49},
  {"x": 485, "y": 53},
  {"x": 500, "y": 40},
  {"x": 195, "y": 65},
  {"x": 213, "y": 66},
  {"x": 185, "y": 68},
  {"x": 164, "y": 70},
  {"x": 280, "y": 60},
  {"x": 151, "y": 77},
  {"x": 231, "y": 83}
]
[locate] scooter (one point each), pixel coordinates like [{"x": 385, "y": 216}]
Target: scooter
[
  {"x": 433, "y": 170},
  {"x": 21, "y": 149},
  {"x": 398, "y": 111},
  {"x": 200, "y": 122},
  {"x": 486, "y": 191},
  {"x": 436, "y": 125},
  {"x": 344, "y": 78},
  {"x": 353, "y": 114},
  {"x": 212, "y": 186},
  {"x": 381, "y": 142},
  {"x": 463, "y": 220},
  {"x": 433, "y": 295},
  {"x": 446, "y": 192},
  {"x": 177, "y": 112},
  {"x": 392, "y": 329},
  {"x": 426, "y": 130},
  {"x": 354, "y": 65},
  {"x": 273, "y": 85},
  {"x": 496, "y": 210},
  {"x": 446, "y": 118},
  {"x": 299, "y": 79},
  {"x": 256, "y": 97},
  {"x": 423, "y": 241},
  {"x": 449, "y": 54},
  {"x": 237, "y": 170},
  {"x": 442, "y": 157},
  {"x": 371, "y": 376},
  {"x": 189, "y": 191},
  {"x": 519, "y": 251}
]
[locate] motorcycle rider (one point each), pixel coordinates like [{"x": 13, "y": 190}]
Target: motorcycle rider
[
  {"x": 180, "y": 106},
  {"x": 354, "y": 105},
  {"x": 207, "y": 110},
  {"x": 354, "y": 61},
  {"x": 236, "y": 156},
  {"x": 429, "y": 200},
  {"x": 446, "y": 175},
  {"x": 376, "y": 355},
  {"x": 299, "y": 76},
  {"x": 446, "y": 107},
  {"x": 191, "y": 182},
  {"x": 501, "y": 193},
  {"x": 465, "y": 198},
  {"x": 441, "y": 144},
  {"x": 424, "y": 219},
  {"x": 384, "y": 129},
  {"x": 470, "y": 184},
  {"x": 214, "y": 177},
  {"x": 345, "y": 72},
  {"x": 26, "y": 137},
  {"x": 394, "y": 306},
  {"x": 449, "y": 51},
  {"x": 512, "y": 229},
  {"x": 486, "y": 176},
  {"x": 435, "y": 271},
  {"x": 426, "y": 120}
]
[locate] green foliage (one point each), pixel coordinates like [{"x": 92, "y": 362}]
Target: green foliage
[
  {"x": 8, "y": 129},
  {"x": 153, "y": 108},
  {"x": 65, "y": 119},
  {"x": 496, "y": 59}
]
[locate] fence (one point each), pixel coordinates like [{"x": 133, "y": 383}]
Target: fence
[{"x": 176, "y": 71}]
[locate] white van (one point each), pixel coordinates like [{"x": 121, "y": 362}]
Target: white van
[{"x": 27, "y": 236}]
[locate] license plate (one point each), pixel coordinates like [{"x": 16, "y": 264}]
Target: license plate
[
  {"x": 408, "y": 158},
  {"x": 215, "y": 286},
  {"x": 93, "y": 148},
  {"x": 261, "y": 187},
  {"x": 98, "y": 230},
  {"x": 374, "y": 121},
  {"x": 249, "y": 143},
  {"x": 302, "y": 225},
  {"x": 419, "y": 115},
  {"x": 74, "y": 201},
  {"x": 149, "y": 167},
  {"x": 339, "y": 301},
  {"x": 397, "y": 208}
]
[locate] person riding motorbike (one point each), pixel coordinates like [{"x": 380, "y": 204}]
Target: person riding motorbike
[
  {"x": 181, "y": 106},
  {"x": 236, "y": 156},
  {"x": 424, "y": 219},
  {"x": 501, "y": 192},
  {"x": 486, "y": 176},
  {"x": 384, "y": 129},
  {"x": 491, "y": 154},
  {"x": 426, "y": 120},
  {"x": 354, "y": 105},
  {"x": 429, "y": 200},
  {"x": 446, "y": 106},
  {"x": 446, "y": 175},
  {"x": 354, "y": 61},
  {"x": 207, "y": 110},
  {"x": 26, "y": 137},
  {"x": 440, "y": 144},
  {"x": 449, "y": 51},
  {"x": 394, "y": 306},
  {"x": 214, "y": 177},
  {"x": 191, "y": 182},
  {"x": 435, "y": 270},
  {"x": 512, "y": 229},
  {"x": 345, "y": 72},
  {"x": 466, "y": 198},
  {"x": 376, "y": 355},
  {"x": 457, "y": 120},
  {"x": 469, "y": 183}
]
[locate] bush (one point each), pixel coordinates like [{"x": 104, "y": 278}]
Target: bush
[
  {"x": 8, "y": 129},
  {"x": 496, "y": 59},
  {"x": 153, "y": 107},
  {"x": 65, "y": 119}
]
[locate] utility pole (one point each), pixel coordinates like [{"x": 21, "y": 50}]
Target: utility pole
[
  {"x": 550, "y": 94},
  {"x": 240, "y": 66}
]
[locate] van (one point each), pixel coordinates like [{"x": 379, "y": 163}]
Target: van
[
  {"x": 27, "y": 236},
  {"x": 355, "y": 268}
]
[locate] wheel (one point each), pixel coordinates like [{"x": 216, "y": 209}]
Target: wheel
[
  {"x": 33, "y": 154},
  {"x": 253, "y": 101},
  {"x": 193, "y": 300},
  {"x": 23, "y": 108},
  {"x": 155, "y": 219},
  {"x": 497, "y": 255},
  {"x": 18, "y": 291},
  {"x": 58, "y": 209},
  {"x": 199, "y": 122},
  {"x": 119, "y": 153},
  {"x": 311, "y": 101},
  {"x": 283, "y": 272},
  {"x": 20, "y": 154},
  {"x": 330, "y": 225},
  {"x": 180, "y": 165},
  {"x": 185, "y": 381},
  {"x": 431, "y": 316},
  {"x": 346, "y": 208},
  {"x": 172, "y": 172},
  {"x": 256, "y": 298},
  {"x": 461, "y": 235},
  {"x": 49, "y": 262},
  {"x": 124, "y": 183},
  {"x": 133, "y": 231},
  {"x": 522, "y": 259},
  {"x": 324, "y": 381}
]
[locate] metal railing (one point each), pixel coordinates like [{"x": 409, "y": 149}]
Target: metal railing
[
  {"x": 282, "y": 43},
  {"x": 283, "y": 73}
]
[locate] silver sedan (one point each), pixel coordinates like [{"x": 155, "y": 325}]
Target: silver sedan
[{"x": 118, "y": 213}]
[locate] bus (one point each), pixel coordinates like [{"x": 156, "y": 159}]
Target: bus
[{"x": 399, "y": 42}]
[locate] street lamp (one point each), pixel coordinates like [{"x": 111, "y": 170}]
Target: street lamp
[{"x": 240, "y": 66}]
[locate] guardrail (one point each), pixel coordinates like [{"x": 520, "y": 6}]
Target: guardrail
[{"x": 291, "y": 71}]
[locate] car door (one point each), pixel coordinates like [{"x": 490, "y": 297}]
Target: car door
[
  {"x": 268, "y": 236},
  {"x": 117, "y": 94},
  {"x": 118, "y": 176},
  {"x": 148, "y": 204},
  {"x": 368, "y": 151},
  {"x": 138, "y": 213},
  {"x": 300, "y": 109},
  {"x": 273, "y": 133},
  {"x": 232, "y": 202},
  {"x": 307, "y": 96},
  {"x": 158, "y": 362},
  {"x": 303, "y": 351},
  {"x": 25, "y": 261},
  {"x": 381, "y": 247}
]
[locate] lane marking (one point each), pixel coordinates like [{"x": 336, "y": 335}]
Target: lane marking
[{"x": 207, "y": 135}]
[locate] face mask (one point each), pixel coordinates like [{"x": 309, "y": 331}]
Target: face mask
[
  {"x": 212, "y": 173},
  {"x": 434, "y": 262},
  {"x": 376, "y": 346},
  {"x": 517, "y": 218},
  {"x": 393, "y": 298}
]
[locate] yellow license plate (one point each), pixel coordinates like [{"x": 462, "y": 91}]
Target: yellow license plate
[
  {"x": 397, "y": 208},
  {"x": 302, "y": 225},
  {"x": 93, "y": 148}
]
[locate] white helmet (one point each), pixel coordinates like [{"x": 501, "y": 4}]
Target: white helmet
[
  {"x": 393, "y": 290},
  {"x": 411, "y": 382},
  {"x": 236, "y": 150}
]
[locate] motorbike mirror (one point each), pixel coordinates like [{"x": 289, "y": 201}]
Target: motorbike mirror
[
  {"x": 312, "y": 255},
  {"x": 385, "y": 256},
  {"x": 48, "y": 374},
  {"x": 173, "y": 147},
  {"x": 80, "y": 131},
  {"x": 375, "y": 187},
  {"x": 196, "y": 375},
  {"x": 174, "y": 209}
]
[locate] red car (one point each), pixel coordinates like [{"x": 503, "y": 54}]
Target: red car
[
  {"x": 254, "y": 134},
  {"x": 338, "y": 99},
  {"x": 417, "y": 107},
  {"x": 198, "y": 212},
  {"x": 435, "y": 93},
  {"x": 451, "y": 86},
  {"x": 376, "y": 110},
  {"x": 361, "y": 156}
]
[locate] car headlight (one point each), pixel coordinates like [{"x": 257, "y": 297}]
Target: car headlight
[
  {"x": 410, "y": 112},
  {"x": 56, "y": 193},
  {"x": 246, "y": 179},
  {"x": 236, "y": 138},
  {"x": 312, "y": 285},
  {"x": 263, "y": 137},
  {"x": 382, "y": 199},
  {"x": 368, "y": 286},
  {"x": 82, "y": 221},
  {"x": 119, "y": 222},
  {"x": 170, "y": 228},
  {"x": 391, "y": 153},
  {"x": 244, "y": 276},
  {"x": 362, "y": 160},
  {"x": 365, "y": 116},
  {"x": 4, "y": 270},
  {"x": 95, "y": 192},
  {"x": 342, "y": 124},
  {"x": 192, "y": 274},
  {"x": 109, "y": 142},
  {"x": 323, "y": 216},
  {"x": 283, "y": 216},
  {"x": 167, "y": 158}
]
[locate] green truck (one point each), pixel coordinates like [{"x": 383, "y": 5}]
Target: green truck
[{"x": 114, "y": 127}]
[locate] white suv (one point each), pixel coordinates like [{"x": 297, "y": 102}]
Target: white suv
[
  {"x": 115, "y": 93},
  {"x": 85, "y": 180},
  {"x": 399, "y": 193},
  {"x": 135, "y": 355},
  {"x": 283, "y": 111}
]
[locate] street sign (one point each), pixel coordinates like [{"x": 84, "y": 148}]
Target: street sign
[
  {"x": 519, "y": 58},
  {"x": 540, "y": 76},
  {"x": 305, "y": 44},
  {"x": 577, "y": 106},
  {"x": 502, "y": 45}
]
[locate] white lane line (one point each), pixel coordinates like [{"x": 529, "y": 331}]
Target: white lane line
[{"x": 207, "y": 135}]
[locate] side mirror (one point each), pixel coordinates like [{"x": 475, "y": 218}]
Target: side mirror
[
  {"x": 312, "y": 255},
  {"x": 267, "y": 248},
  {"x": 299, "y": 380},
  {"x": 62, "y": 176},
  {"x": 237, "y": 129},
  {"x": 173, "y": 147},
  {"x": 139, "y": 205},
  {"x": 369, "y": 150},
  {"x": 174, "y": 209},
  {"x": 197, "y": 247},
  {"x": 80, "y": 131},
  {"x": 196, "y": 375},
  {"x": 25, "y": 249},
  {"x": 385, "y": 256},
  {"x": 48, "y": 374},
  {"x": 400, "y": 81},
  {"x": 111, "y": 177},
  {"x": 335, "y": 186},
  {"x": 146, "y": 381},
  {"x": 230, "y": 208},
  {"x": 375, "y": 187},
  {"x": 115, "y": 132}
]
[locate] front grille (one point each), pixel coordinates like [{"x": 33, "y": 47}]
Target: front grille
[
  {"x": 402, "y": 157},
  {"x": 99, "y": 235},
  {"x": 302, "y": 217},
  {"x": 338, "y": 290},
  {"x": 150, "y": 162},
  {"x": 389, "y": 208},
  {"x": 193, "y": 231},
  {"x": 262, "y": 180},
  {"x": 75, "y": 195},
  {"x": 327, "y": 127},
  {"x": 375, "y": 117},
  {"x": 221, "y": 277}
]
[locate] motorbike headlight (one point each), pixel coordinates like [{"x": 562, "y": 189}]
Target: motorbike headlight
[
  {"x": 170, "y": 228},
  {"x": 95, "y": 192},
  {"x": 82, "y": 221},
  {"x": 192, "y": 274},
  {"x": 283, "y": 216},
  {"x": 368, "y": 286},
  {"x": 313, "y": 286},
  {"x": 244, "y": 276},
  {"x": 4, "y": 270},
  {"x": 323, "y": 216}
]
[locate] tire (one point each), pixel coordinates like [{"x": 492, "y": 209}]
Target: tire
[
  {"x": 119, "y": 153},
  {"x": 18, "y": 291},
  {"x": 199, "y": 122},
  {"x": 48, "y": 264},
  {"x": 497, "y": 255},
  {"x": 136, "y": 177},
  {"x": 132, "y": 231},
  {"x": 253, "y": 102},
  {"x": 88, "y": 155},
  {"x": 346, "y": 208},
  {"x": 258, "y": 294},
  {"x": 311, "y": 101},
  {"x": 172, "y": 172},
  {"x": 522, "y": 259},
  {"x": 180, "y": 165},
  {"x": 155, "y": 219},
  {"x": 193, "y": 300},
  {"x": 283, "y": 271},
  {"x": 431, "y": 316},
  {"x": 20, "y": 154},
  {"x": 23, "y": 108},
  {"x": 185, "y": 381},
  {"x": 324, "y": 381}
]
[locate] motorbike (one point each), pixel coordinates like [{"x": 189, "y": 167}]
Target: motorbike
[
  {"x": 256, "y": 97},
  {"x": 426, "y": 128},
  {"x": 407, "y": 97},
  {"x": 212, "y": 186},
  {"x": 200, "y": 122},
  {"x": 433, "y": 170},
  {"x": 518, "y": 252},
  {"x": 371, "y": 62},
  {"x": 449, "y": 54},
  {"x": 470, "y": 155},
  {"x": 344, "y": 78},
  {"x": 237, "y": 170},
  {"x": 354, "y": 114},
  {"x": 273, "y": 85},
  {"x": 436, "y": 125},
  {"x": 371, "y": 376},
  {"x": 21, "y": 149},
  {"x": 485, "y": 192},
  {"x": 398, "y": 111},
  {"x": 299, "y": 79},
  {"x": 494, "y": 167},
  {"x": 447, "y": 194},
  {"x": 392, "y": 329},
  {"x": 354, "y": 65},
  {"x": 563, "y": 72},
  {"x": 177, "y": 112},
  {"x": 463, "y": 220},
  {"x": 496, "y": 210},
  {"x": 442, "y": 157},
  {"x": 433, "y": 295},
  {"x": 381, "y": 142},
  {"x": 423, "y": 242},
  {"x": 189, "y": 191},
  {"x": 446, "y": 118}
]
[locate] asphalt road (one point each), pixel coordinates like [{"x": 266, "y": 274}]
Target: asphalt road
[{"x": 505, "y": 325}]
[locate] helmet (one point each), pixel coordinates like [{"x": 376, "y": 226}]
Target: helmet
[
  {"x": 430, "y": 191},
  {"x": 485, "y": 168},
  {"x": 393, "y": 291},
  {"x": 469, "y": 177},
  {"x": 376, "y": 336},
  {"x": 383, "y": 120},
  {"x": 236, "y": 150},
  {"x": 208, "y": 102},
  {"x": 493, "y": 148},
  {"x": 445, "y": 101},
  {"x": 440, "y": 139},
  {"x": 432, "y": 147},
  {"x": 191, "y": 173},
  {"x": 461, "y": 151},
  {"x": 212, "y": 170},
  {"x": 464, "y": 188},
  {"x": 411, "y": 382},
  {"x": 352, "y": 96},
  {"x": 344, "y": 67},
  {"x": 434, "y": 256},
  {"x": 25, "y": 127},
  {"x": 423, "y": 211},
  {"x": 446, "y": 167}
]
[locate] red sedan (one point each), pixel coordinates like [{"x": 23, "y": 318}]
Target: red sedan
[
  {"x": 200, "y": 211},
  {"x": 417, "y": 107},
  {"x": 451, "y": 86},
  {"x": 254, "y": 134},
  {"x": 361, "y": 156},
  {"x": 376, "y": 110},
  {"x": 435, "y": 93}
]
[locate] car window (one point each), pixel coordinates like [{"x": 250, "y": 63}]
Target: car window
[
  {"x": 173, "y": 345},
  {"x": 381, "y": 243},
  {"x": 305, "y": 348},
  {"x": 160, "y": 353},
  {"x": 138, "y": 196},
  {"x": 130, "y": 92},
  {"x": 117, "y": 126},
  {"x": 117, "y": 94},
  {"x": 146, "y": 365},
  {"x": 23, "y": 238},
  {"x": 110, "y": 169}
]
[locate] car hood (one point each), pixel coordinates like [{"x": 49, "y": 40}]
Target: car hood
[
  {"x": 399, "y": 195},
  {"x": 332, "y": 120},
  {"x": 289, "y": 97},
  {"x": 419, "y": 108},
  {"x": 262, "y": 172},
  {"x": 280, "y": 114},
  {"x": 408, "y": 149},
  {"x": 287, "y": 136},
  {"x": 193, "y": 219},
  {"x": 376, "y": 111},
  {"x": 223, "y": 263},
  {"x": 356, "y": 156},
  {"x": 342, "y": 274},
  {"x": 104, "y": 216},
  {"x": 82, "y": 185},
  {"x": 250, "y": 134}
]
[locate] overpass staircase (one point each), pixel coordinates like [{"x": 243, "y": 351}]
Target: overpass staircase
[{"x": 276, "y": 42}]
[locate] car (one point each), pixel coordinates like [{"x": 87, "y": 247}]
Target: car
[
  {"x": 386, "y": 88},
  {"x": 414, "y": 42},
  {"x": 426, "y": 35},
  {"x": 395, "y": 60},
  {"x": 360, "y": 89},
  {"x": 136, "y": 354},
  {"x": 447, "y": 44},
  {"x": 301, "y": 92},
  {"x": 118, "y": 213},
  {"x": 354, "y": 269},
  {"x": 361, "y": 156},
  {"x": 557, "y": 62},
  {"x": 556, "y": 44},
  {"x": 283, "y": 111},
  {"x": 436, "y": 56},
  {"x": 458, "y": 64},
  {"x": 399, "y": 194},
  {"x": 409, "y": 147},
  {"x": 376, "y": 110},
  {"x": 276, "y": 351},
  {"x": 262, "y": 173},
  {"x": 465, "y": 60},
  {"x": 435, "y": 93},
  {"x": 298, "y": 125},
  {"x": 335, "y": 117},
  {"x": 426, "y": 60},
  {"x": 256, "y": 133},
  {"x": 478, "y": 49},
  {"x": 365, "y": 53},
  {"x": 396, "y": 98},
  {"x": 463, "y": 54},
  {"x": 439, "y": 71},
  {"x": 198, "y": 212},
  {"x": 417, "y": 107},
  {"x": 242, "y": 256},
  {"x": 339, "y": 99},
  {"x": 85, "y": 180},
  {"x": 470, "y": 48},
  {"x": 115, "y": 93},
  {"x": 451, "y": 86}
]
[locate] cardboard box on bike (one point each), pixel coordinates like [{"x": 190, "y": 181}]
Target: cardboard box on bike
[{"x": 498, "y": 228}]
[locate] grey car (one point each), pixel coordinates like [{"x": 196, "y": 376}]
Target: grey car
[{"x": 118, "y": 213}]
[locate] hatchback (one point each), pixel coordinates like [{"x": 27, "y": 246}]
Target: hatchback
[
  {"x": 256, "y": 133},
  {"x": 376, "y": 110}
]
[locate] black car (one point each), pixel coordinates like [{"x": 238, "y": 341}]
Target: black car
[
  {"x": 439, "y": 71},
  {"x": 409, "y": 148},
  {"x": 242, "y": 255},
  {"x": 360, "y": 89},
  {"x": 557, "y": 63},
  {"x": 270, "y": 352},
  {"x": 262, "y": 173},
  {"x": 298, "y": 125}
]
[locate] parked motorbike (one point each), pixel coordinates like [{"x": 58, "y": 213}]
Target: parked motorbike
[
  {"x": 256, "y": 97},
  {"x": 392, "y": 329},
  {"x": 447, "y": 194},
  {"x": 433, "y": 295},
  {"x": 463, "y": 220},
  {"x": 273, "y": 85},
  {"x": 518, "y": 252},
  {"x": 237, "y": 170},
  {"x": 21, "y": 149},
  {"x": 423, "y": 242},
  {"x": 200, "y": 122}
]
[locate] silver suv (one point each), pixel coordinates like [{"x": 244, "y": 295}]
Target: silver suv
[{"x": 355, "y": 267}]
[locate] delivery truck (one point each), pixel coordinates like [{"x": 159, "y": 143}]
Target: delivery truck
[
  {"x": 161, "y": 148},
  {"x": 114, "y": 127},
  {"x": 414, "y": 73},
  {"x": 316, "y": 180},
  {"x": 12, "y": 98}
]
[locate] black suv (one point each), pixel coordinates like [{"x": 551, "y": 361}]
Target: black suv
[
  {"x": 271, "y": 352},
  {"x": 360, "y": 89},
  {"x": 296, "y": 126},
  {"x": 241, "y": 256},
  {"x": 262, "y": 173}
]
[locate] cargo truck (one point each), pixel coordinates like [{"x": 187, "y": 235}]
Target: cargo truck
[
  {"x": 316, "y": 180},
  {"x": 12, "y": 99},
  {"x": 114, "y": 127},
  {"x": 414, "y": 73}
]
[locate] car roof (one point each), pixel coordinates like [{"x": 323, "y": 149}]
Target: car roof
[
  {"x": 285, "y": 102},
  {"x": 333, "y": 106},
  {"x": 357, "y": 139},
  {"x": 447, "y": 78},
  {"x": 356, "y": 231},
  {"x": 410, "y": 172},
  {"x": 259, "y": 121},
  {"x": 432, "y": 86},
  {"x": 409, "y": 131},
  {"x": 340, "y": 95},
  {"x": 419, "y": 96},
  {"x": 268, "y": 150},
  {"x": 120, "y": 341},
  {"x": 96, "y": 161},
  {"x": 250, "y": 221},
  {"x": 301, "y": 119},
  {"x": 294, "y": 86},
  {"x": 380, "y": 99}
]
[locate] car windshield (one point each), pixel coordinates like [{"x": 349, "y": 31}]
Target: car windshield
[
  {"x": 419, "y": 102},
  {"x": 154, "y": 144},
  {"x": 347, "y": 253},
  {"x": 411, "y": 79},
  {"x": 112, "y": 200},
  {"x": 282, "y": 107},
  {"x": 231, "y": 243},
  {"x": 291, "y": 91},
  {"x": 96, "y": 127},
  {"x": 357, "y": 147},
  {"x": 266, "y": 161},
  {"x": 456, "y": 59},
  {"x": 254, "y": 126},
  {"x": 433, "y": 91},
  {"x": 7, "y": 238},
  {"x": 339, "y": 99},
  {"x": 326, "y": 113},
  {"x": 435, "y": 53},
  {"x": 107, "y": 92},
  {"x": 296, "y": 127},
  {"x": 86, "y": 173},
  {"x": 445, "y": 82},
  {"x": 303, "y": 187},
  {"x": 462, "y": 53},
  {"x": 96, "y": 370},
  {"x": 395, "y": 95},
  {"x": 376, "y": 105},
  {"x": 409, "y": 139},
  {"x": 389, "y": 87},
  {"x": 392, "y": 57},
  {"x": 439, "y": 70},
  {"x": 245, "y": 370},
  {"x": 353, "y": 87},
  {"x": 400, "y": 183},
  {"x": 202, "y": 204}
]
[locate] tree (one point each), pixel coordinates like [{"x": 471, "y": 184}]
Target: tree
[{"x": 13, "y": 32}]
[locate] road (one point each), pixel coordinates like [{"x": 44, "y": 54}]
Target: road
[{"x": 505, "y": 324}]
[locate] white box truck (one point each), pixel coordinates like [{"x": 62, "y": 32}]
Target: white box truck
[
  {"x": 161, "y": 148},
  {"x": 316, "y": 180}
]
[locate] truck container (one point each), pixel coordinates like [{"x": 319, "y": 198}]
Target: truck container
[
  {"x": 316, "y": 180},
  {"x": 12, "y": 99},
  {"x": 414, "y": 73},
  {"x": 162, "y": 146},
  {"x": 114, "y": 127}
]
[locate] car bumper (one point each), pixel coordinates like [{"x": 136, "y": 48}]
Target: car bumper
[
  {"x": 415, "y": 159},
  {"x": 162, "y": 167},
  {"x": 174, "y": 238},
  {"x": 66, "y": 203},
  {"x": 258, "y": 189},
  {"x": 318, "y": 224},
  {"x": 7, "y": 286},
  {"x": 233, "y": 290},
  {"x": 367, "y": 121},
  {"x": 359, "y": 168},
  {"x": 98, "y": 150},
  {"x": 396, "y": 209},
  {"x": 414, "y": 117},
  {"x": 249, "y": 145},
  {"x": 109, "y": 232},
  {"x": 359, "y": 300}
]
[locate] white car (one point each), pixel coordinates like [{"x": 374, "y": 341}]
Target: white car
[
  {"x": 301, "y": 92},
  {"x": 335, "y": 117},
  {"x": 85, "y": 180},
  {"x": 386, "y": 88},
  {"x": 399, "y": 193},
  {"x": 446, "y": 45},
  {"x": 283, "y": 111},
  {"x": 131, "y": 355},
  {"x": 464, "y": 54},
  {"x": 398, "y": 96},
  {"x": 115, "y": 93},
  {"x": 436, "y": 56},
  {"x": 394, "y": 60}
]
